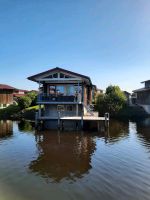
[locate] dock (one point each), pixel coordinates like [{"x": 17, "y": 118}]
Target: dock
[{"x": 78, "y": 120}]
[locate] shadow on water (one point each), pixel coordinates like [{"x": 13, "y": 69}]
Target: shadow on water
[
  {"x": 25, "y": 126},
  {"x": 143, "y": 131},
  {"x": 63, "y": 155},
  {"x": 6, "y": 128}
]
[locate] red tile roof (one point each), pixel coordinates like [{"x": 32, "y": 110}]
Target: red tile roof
[{"x": 6, "y": 87}]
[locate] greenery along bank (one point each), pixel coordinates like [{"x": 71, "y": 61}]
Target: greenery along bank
[
  {"x": 113, "y": 101},
  {"x": 24, "y": 107}
]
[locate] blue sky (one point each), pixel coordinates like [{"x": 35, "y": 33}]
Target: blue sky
[{"x": 109, "y": 40}]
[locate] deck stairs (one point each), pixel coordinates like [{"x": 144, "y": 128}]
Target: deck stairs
[{"x": 89, "y": 110}]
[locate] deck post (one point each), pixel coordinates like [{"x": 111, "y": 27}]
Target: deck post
[
  {"x": 106, "y": 120},
  {"x": 36, "y": 119},
  {"x": 39, "y": 110},
  {"x": 98, "y": 126},
  {"x": 77, "y": 109},
  {"x": 58, "y": 119},
  {"x": 82, "y": 116}
]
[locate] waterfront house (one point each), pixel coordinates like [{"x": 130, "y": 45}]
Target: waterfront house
[
  {"x": 64, "y": 94},
  {"x": 19, "y": 93},
  {"x": 6, "y": 95},
  {"x": 143, "y": 96},
  {"x": 128, "y": 97}
]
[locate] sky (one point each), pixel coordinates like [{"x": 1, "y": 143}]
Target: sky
[{"x": 108, "y": 40}]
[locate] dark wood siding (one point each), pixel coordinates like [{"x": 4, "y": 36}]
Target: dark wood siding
[
  {"x": 6, "y": 96},
  {"x": 143, "y": 98}
]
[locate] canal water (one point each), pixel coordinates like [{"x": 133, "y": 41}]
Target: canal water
[{"x": 75, "y": 165}]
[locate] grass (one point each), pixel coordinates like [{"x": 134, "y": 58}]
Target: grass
[
  {"x": 36, "y": 108},
  {"x": 14, "y": 112}
]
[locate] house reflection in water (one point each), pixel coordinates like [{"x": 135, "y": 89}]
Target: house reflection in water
[
  {"x": 6, "y": 128},
  {"x": 143, "y": 131},
  {"x": 118, "y": 130},
  {"x": 63, "y": 156}
]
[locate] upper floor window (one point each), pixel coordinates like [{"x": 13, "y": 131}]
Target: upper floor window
[{"x": 55, "y": 75}]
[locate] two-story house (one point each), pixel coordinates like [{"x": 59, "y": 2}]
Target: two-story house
[
  {"x": 143, "y": 96},
  {"x": 63, "y": 93}
]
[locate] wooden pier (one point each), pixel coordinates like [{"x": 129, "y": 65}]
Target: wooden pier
[{"x": 77, "y": 119}]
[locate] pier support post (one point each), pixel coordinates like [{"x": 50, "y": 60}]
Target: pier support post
[
  {"x": 40, "y": 111},
  {"x": 106, "y": 120},
  {"x": 98, "y": 126},
  {"x": 36, "y": 119},
  {"x": 58, "y": 120},
  {"x": 77, "y": 109},
  {"x": 82, "y": 117}
]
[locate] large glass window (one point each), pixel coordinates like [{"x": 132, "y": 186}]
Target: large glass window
[
  {"x": 60, "y": 90},
  {"x": 70, "y": 90},
  {"x": 64, "y": 90},
  {"x": 52, "y": 90}
]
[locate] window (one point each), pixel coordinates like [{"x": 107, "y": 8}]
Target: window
[
  {"x": 52, "y": 89},
  {"x": 70, "y": 90},
  {"x": 4, "y": 105},
  {"x": 55, "y": 75},
  {"x": 69, "y": 108},
  {"x": 60, "y": 108},
  {"x": 60, "y": 90},
  {"x": 62, "y": 75}
]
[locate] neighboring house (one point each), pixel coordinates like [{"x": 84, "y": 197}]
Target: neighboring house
[
  {"x": 6, "y": 95},
  {"x": 63, "y": 92},
  {"x": 19, "y": 93},
  {"x": 128, "y": 97},
  {"x": 96, "y": 91},
  {"x": 143, "y": 96},
  {"x": 99, "y": 91}
]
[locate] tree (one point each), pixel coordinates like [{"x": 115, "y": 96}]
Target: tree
[
  {"x": 24, "y": 102},
  {"x": 33, "y": 96},
  {"x": 112, "y": 101}
]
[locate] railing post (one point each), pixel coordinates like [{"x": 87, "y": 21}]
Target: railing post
[
  {"x": 106, "y": 119},
  {"x": 58, "y": 120},
  {"x": 36, "y": 118}
]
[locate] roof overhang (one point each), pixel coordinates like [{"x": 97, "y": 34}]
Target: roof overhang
[
  {"x": 142, "y": 90},
  {"x": 145, "y": 81},
  {"x": 40, "y": 76}
]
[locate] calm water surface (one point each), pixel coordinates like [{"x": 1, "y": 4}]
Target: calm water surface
[{"x": 75, "y": 165}]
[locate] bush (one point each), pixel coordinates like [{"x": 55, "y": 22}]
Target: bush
[
  {"x": 112, "y": 101},
  {"x": 24, "y": 102},
  {"x": 33, "y": 96},
  {"x": 7, "y": 113}
]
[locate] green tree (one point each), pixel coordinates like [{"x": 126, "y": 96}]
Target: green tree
[
  {"x": 24, "y": 102},
  {"x": 33, "y": 96},
  {"x": 112, "y": 101}
]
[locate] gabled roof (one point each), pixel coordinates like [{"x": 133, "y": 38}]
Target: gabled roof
[
  {"x": 6, "y": 87},
  {"x": 34, "y": 77},
  {"x": 141, "y": 90},
  {"x": 145, "y": 81}
]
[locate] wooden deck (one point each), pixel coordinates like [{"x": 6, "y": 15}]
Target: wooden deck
[{"x": 76, "y": 118}]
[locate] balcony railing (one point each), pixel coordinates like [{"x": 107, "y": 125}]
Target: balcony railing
[{"x": 54, "y": 98}]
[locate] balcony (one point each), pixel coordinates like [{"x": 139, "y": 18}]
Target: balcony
[{"x": 54, "y": 99}]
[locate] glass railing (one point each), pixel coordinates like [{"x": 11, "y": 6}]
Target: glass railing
[{"x": 56, "y": 98}]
